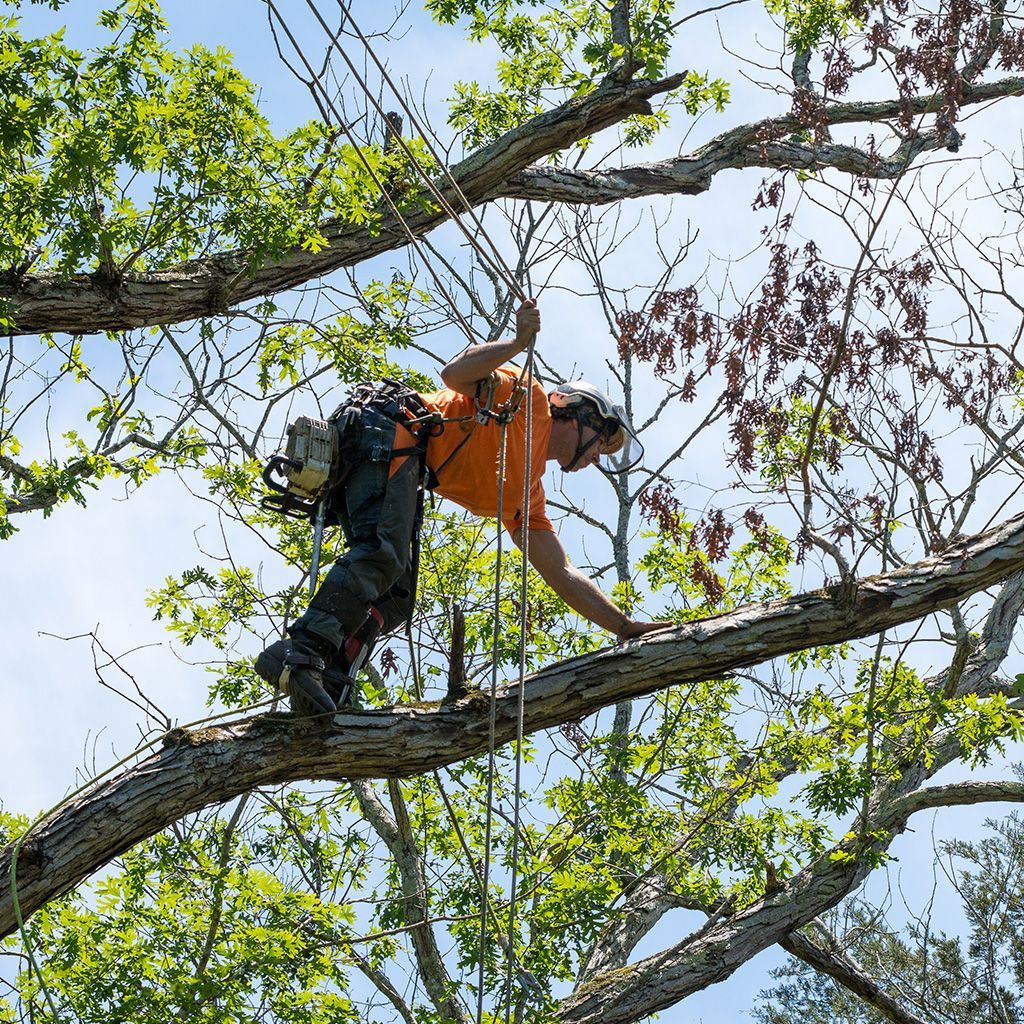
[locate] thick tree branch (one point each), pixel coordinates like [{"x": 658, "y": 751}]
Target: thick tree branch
[
  {"x": 683, "y": 969},
  {"x": 752, "y": 145},
  {"x": 714, "y": 953},
  {"x": 85, "y": 303},
  {"x": 208, "y": 766},
  {"x": 642, "y": 909},
  {"x": 956, "y": 794},
  {"x": 996, "y": 635},
  {"x": 692, "y": 175},
  {"x": 849, "y": 974}
]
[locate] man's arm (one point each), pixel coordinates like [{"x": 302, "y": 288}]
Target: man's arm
[
  {"x": 581, "y": 593},
  {"x": 478, "y": 361}
]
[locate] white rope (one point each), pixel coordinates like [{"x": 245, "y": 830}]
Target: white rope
[
  {"x": 494, "y": 258},
  {"x": 521, "y": 702},
  {"x": 491, "y": 721},
  {"x": 471, "y": 334}
]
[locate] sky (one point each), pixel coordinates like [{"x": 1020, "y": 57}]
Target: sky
[{"x": 85, "y": 571}]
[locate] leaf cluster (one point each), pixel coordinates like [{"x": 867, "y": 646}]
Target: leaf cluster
[{"x": 136, "y": 156}]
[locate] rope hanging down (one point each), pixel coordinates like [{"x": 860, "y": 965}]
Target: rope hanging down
[
  {"x": 511, "y": 958},
  {"x": 495, "y": 261},
  {"x": 470, "y": 333},
  {"x": 521, "y": 700}
]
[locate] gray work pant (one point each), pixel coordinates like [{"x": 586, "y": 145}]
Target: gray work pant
[{"x": 378, "y": 510}]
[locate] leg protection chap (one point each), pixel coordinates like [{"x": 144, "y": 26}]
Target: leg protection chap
[{"x": 340, "y": 603}]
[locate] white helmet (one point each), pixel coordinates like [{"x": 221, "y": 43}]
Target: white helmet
[{"x": 593, "y": 408}]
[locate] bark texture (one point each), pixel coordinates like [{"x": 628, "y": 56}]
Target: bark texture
[
  {"x": 396, "y": 832},
  {"x": 196, "y": 769},
  {"x": 758, "y": 144},
  {"x": 87, "y": 303},
  {"x": 837, "y": 965}
]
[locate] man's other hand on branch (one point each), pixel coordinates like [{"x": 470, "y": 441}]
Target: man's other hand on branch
[{"x": 631, "y": 630}]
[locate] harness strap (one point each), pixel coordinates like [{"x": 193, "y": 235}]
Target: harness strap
[
  {"x": 399, "y": 402},
  {"x": 486, "y": 390}
]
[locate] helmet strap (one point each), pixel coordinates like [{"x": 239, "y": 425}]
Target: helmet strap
[{"x": 581, "y": 448}]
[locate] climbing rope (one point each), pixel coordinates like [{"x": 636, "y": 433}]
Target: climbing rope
[
  {"x": 521, "y": 696},
  {"x": 491, "y": 722},
  {"x": 470, "y": 333},
  {"x": 494, "y": 260},
  {"x": 509, "y": 410}
]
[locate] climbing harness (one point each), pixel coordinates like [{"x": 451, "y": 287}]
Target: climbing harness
[
  {"x": 316, "y": 459},
  {"x": 484, "y": 402}
]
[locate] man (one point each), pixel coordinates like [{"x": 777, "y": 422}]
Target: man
[{"x": 388, "y": 437}]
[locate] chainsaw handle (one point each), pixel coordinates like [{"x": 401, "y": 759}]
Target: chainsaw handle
[{"x": 274, "y": 465}]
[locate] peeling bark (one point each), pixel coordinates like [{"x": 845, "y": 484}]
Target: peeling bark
[{"x": 203, "y": 767}]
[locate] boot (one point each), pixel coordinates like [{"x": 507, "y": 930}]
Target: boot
[{"x": 297, "y": 667}]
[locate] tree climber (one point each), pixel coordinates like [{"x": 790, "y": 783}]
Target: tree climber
[{"x": 395, "y": 442}]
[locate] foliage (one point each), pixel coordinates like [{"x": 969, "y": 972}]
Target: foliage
[
  {"x": 209, "y": 924},
  {"x": 137, "y": 156},
  {"x": 973, "y": 979},
  {"x": 836, "y": 379},
  {"x": 134, "y": 433},
  {"x": 565, "y": 50}
]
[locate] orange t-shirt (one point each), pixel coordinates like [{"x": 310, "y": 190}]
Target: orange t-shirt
[{"x": 471, "y": 477}]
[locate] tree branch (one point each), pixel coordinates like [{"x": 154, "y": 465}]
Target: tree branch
[
  {"x": 849, "y": 974},
  {"x": 642, "y": 909},
  {"x": 383, "y": 985},
  {"x": 956, "y": 794},
  {"x": 195, "y": 769},
  {"x": 397, "y": 835},
  {"x": 85, "y": 303},
  {"x": 745, "y": 146}
]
